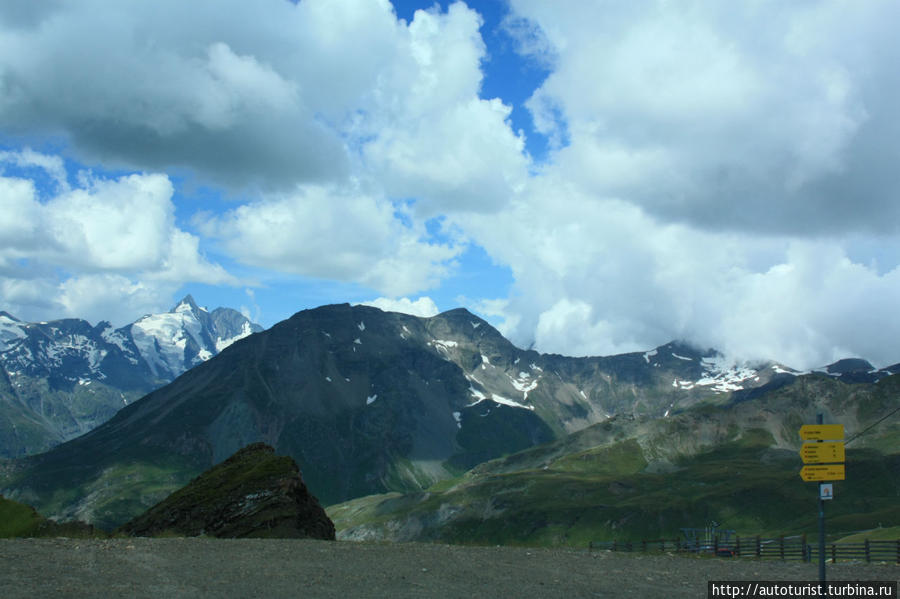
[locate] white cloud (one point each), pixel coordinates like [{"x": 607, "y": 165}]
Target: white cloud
[
  {"x": 20, "y": 213},
  {"x": 713, "y": 170},
  {"x": 110, "y": 297},
  {"x": 600, "y": 277},
  {"x": 750, "y": 117},
  {"x": 106, "y": 244},
  {"x": 52, "y": 165},
  {"x": 424, "y": 306},
  {"x": 428, "y": 133},
  {"x": 266, "y": 95},
  {"x": 713, "y": 166},
  {"x": 335, "y": 234}
]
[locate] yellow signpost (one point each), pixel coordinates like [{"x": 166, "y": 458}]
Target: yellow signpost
[
  {"x": 827, "y": 460},
  {"x": 819, "y": 473},
  {"x": 822, "y": 453},
  {"x": 822, "y": 432}
]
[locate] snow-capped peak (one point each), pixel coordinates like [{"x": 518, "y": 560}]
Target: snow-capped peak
[
  {"x": 11, "y": 329},
  {"x": 172, "y": 342}
]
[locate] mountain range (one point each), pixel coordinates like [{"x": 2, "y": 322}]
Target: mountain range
[
  {"x": 61, "y": 379},
  {"x": 370, "y": 402}
]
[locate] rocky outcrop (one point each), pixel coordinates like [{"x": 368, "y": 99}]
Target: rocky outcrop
[{"x": 254, "y": 493}]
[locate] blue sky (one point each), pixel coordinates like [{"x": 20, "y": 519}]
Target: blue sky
[{"x": 591, "y": 177}]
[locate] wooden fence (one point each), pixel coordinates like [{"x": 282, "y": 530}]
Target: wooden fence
[{"x": 781, "y": 548}]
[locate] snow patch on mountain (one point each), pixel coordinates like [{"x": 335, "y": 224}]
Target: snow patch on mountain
[
  {"x": 477, "y": 394},
  {"x": 115, "y": 337},
  {"x": 11, "y": 330},
  {"x": 720, "y": 375},
  {"x": 162, "y": 339},
  {"x": 524, "y": 384},
  {"x": 246, "y": 331},
  {"x": 74, "y": 345},
  {"x": 443, "y": 345},
  {"x": 508, "y": 402}
]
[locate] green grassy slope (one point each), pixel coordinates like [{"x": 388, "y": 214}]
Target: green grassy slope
[
  {"x": 743, "y": 486},
  {"x": 632, "y": 478},
  {"x": 17, "y": 519}
]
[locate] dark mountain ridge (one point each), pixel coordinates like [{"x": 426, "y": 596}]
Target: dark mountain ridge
[{"x": 366, "y": 402}]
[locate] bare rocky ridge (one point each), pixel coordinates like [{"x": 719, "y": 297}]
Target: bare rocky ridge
[{"x": 254, "y": 493}]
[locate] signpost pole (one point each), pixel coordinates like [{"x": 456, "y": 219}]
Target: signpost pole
[{"x": 820, "y": 419}]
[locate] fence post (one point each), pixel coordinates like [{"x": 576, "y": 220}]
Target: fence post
[
  {"x": 833, "y": 554},
  {"x": 804, "y": 549},
  {"x": 614, "y": 545},
  {"x": 868, "y": 555},
  {"x": 737, "y": 545},
  {"x": 781, "y": 546},
  {"x": 758, "y": 547},
  {"x": 898, "y": 551},
  {"x": 643, "y": 546}
]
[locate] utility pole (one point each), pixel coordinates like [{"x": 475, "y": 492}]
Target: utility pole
[{"x": 820, "y": 419}]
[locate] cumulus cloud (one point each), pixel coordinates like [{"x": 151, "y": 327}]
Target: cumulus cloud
[
  {"x": 722, "y": 174},
  {"x": 265, "y": 95},
  {"x": 713, "y": 170},
  {"x": 424, "y": 306},
  {"x": 111, "y": 297},
  {"x": 155, "y": 85},
  {"x": 332, "y": 233},
  {"x": 753, "y": 117},
  {"x": 103, "y": 248},
  {"x": 431, "y": 136},
  {"x": 600, "y": 277}
]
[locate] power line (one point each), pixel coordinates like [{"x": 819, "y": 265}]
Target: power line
[{"x": 870, "y": 427}]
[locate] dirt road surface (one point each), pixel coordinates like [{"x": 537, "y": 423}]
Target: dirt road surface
[{"x": 202, "y": 567}]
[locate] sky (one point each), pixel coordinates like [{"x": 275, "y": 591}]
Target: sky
[{"x": 592, "y": 177}]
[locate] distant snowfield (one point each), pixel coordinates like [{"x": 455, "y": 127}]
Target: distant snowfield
[{"x": 163, "y": 339}]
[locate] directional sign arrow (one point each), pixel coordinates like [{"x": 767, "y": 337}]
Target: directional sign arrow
[
  {"x": 822, "y": 432},
  {"x": 822, "y": 453},
  {"x": 830, "y": 472}
]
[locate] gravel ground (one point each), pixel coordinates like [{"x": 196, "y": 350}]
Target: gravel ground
[{"x": 202, "y": 567}]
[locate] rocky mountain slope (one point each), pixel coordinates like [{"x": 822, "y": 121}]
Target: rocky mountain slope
[
  {"x": 61, "y": 379},
  {"x": 641, "y": 478},
  {"x": 367, "y": 401},
  {"x": 254, "y": 493}
]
